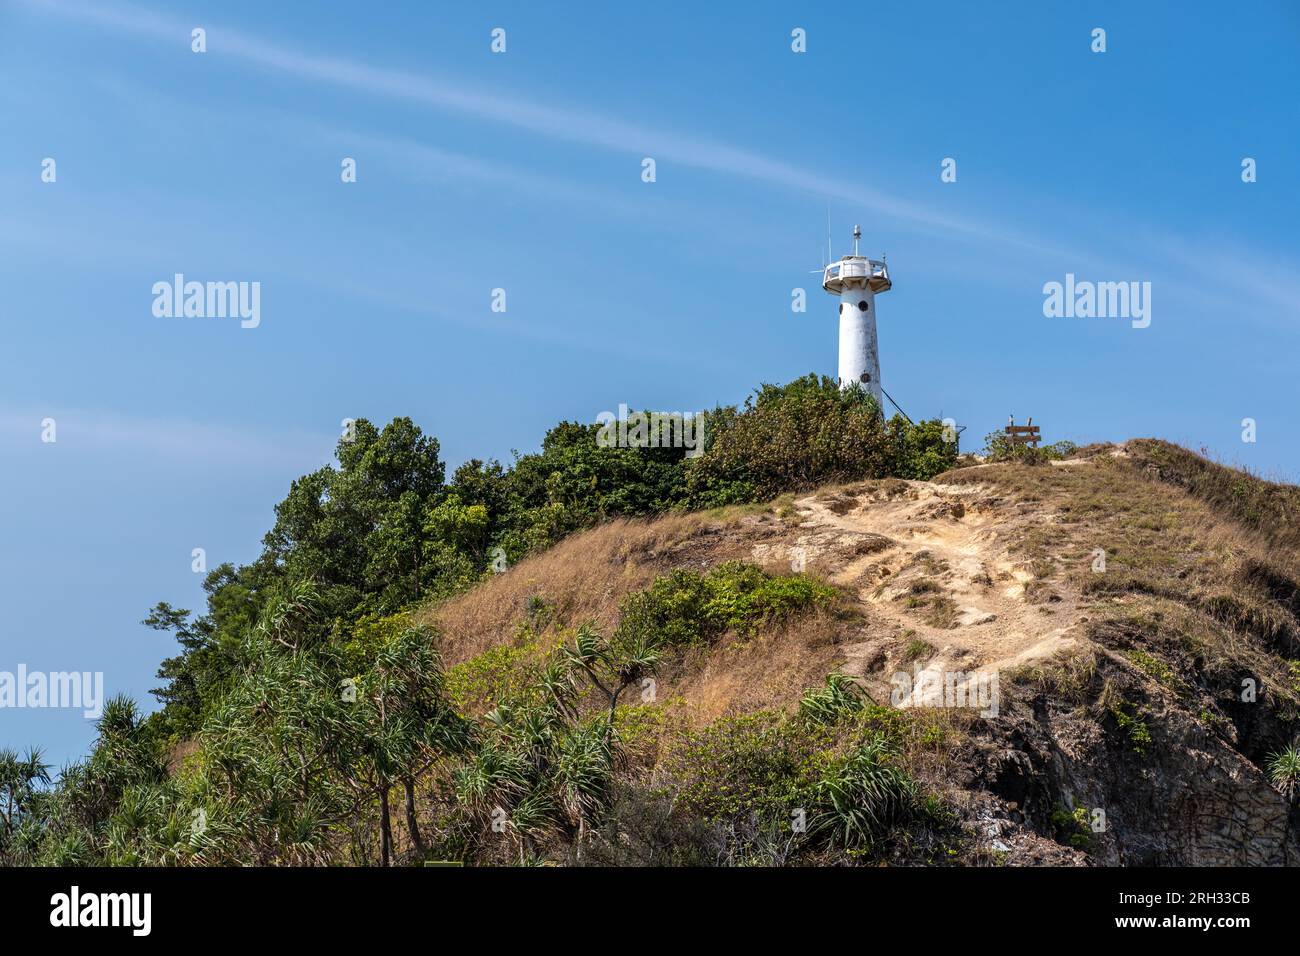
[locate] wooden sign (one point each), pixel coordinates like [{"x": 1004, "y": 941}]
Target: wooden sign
[{"x": 1027, "y": 434}]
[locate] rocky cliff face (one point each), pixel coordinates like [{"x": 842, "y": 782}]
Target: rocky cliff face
[{"x": 1190, "y": 800}]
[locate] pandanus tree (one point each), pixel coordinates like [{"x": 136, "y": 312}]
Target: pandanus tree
[
  {"x": 22, "y": 779},
  {"x": 614, "y": 666},
  {"x": 275, "y": 756},
  {"x": 81, "y": 810},
  {"x": 408, "y": 725},
  {"x": 300, "y": 749},
  {"x": 546, "y": 760},
  {"x": 287, "y": 761}
]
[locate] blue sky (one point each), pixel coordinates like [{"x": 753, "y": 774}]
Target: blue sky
[{"x": 522, "y": 171}]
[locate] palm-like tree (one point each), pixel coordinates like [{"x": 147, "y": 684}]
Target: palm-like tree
[{"x": 22, "y": 779}]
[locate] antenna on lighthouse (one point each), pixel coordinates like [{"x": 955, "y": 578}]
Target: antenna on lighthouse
[{"x": 857, "y": 234}]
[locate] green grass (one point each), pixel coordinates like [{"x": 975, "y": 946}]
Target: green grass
[
  {"x": 1157, "y": 670},
  {"x": 917, "y": 650},
  {"x": 840, "y": 697},
  {"x": 1284, "y": 771}
]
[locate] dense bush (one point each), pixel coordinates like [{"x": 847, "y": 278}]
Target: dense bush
[
  {"x": 999, "y": 447},
  {"x": 807, "y": 433},
  {"x": 842, "y": 775},
  {"x": 754, "y": 764}
]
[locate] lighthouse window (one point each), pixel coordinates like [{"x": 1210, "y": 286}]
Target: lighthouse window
[
  {"x": 866, "y": 376},
  {"x": 862, "y": 306},
  {"x": 841, "y": 306}
]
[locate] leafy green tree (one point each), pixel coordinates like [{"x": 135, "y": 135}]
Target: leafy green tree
[
  {"x": 458, "y": 535},
  {"x": 545, "y": 760},
  {"x": 576, "y": 482},
  {"x": 357, "y": 529}
]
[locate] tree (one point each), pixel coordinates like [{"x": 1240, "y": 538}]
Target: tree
[
  {"x": 407, "y": 726},
  {"x": 21, "y": 780}
]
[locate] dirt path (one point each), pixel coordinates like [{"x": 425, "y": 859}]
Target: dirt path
[{"x": 934, "y": 570}]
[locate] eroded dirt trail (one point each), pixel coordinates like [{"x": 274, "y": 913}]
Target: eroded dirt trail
[{"x": 928, "y": 566}]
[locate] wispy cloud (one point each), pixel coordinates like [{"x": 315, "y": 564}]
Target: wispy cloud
[
  {"x": 1258, "y": 285},
  {"x": 161, "y": 440},
  {"x": 576, "y": 125}
]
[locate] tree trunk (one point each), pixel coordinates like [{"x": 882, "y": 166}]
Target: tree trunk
[
  {"x": 385, "y": 827},
  {"x": 411, "y": 824}
]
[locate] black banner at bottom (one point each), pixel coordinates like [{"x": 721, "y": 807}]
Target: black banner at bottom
[{"x": 338, "y": 905}]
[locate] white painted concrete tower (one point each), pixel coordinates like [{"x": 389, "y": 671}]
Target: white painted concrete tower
[{"x": 855, "y": 280}]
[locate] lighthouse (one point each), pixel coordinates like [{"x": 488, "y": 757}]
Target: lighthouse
[{"x": 855, "y": 280}]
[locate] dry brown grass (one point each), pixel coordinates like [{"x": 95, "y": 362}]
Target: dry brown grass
[
  {"x": 1157, "y": 536},
  {"x": 769, "y": 671},
  {"x": 585, "y": 577},
  {"x": 1070, "y": 673},
  {"x": 1271, "y": 509}
]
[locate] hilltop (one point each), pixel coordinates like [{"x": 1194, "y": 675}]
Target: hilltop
[
  {"x": 1121, "y": 683},
  {"x": 824, "y": 637}
]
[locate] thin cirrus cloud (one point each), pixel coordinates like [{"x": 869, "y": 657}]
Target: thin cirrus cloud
[
  {"x": 607, "y": 132},
  {"x": 162, "y": 441},
  {"x": 573, "y": 125}
]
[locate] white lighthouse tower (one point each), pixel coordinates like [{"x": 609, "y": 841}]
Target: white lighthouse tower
[{"x": 856, "y": 280}]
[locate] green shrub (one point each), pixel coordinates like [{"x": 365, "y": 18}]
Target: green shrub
[
  {"x": 685, "y": 608},
  {"x": 804, "y": 434},
  {"x": 860, "y": 796},
  {"x": 361, "y": 643},
  {"x": 1071, "y": 827},
  {"x": 1134, "y": 726},
  {"x": 840, "y": 697},
  {"x": 1284, "y": 771},
  {"x": 922, "y": 450},
  {"x": 1156, "y": 669},
  {"x": 755, "y": 764},
  {"x": 763, "y": 768},
  {"x": 999, "y": 447},
  {"x": 498, "y": 674}
]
